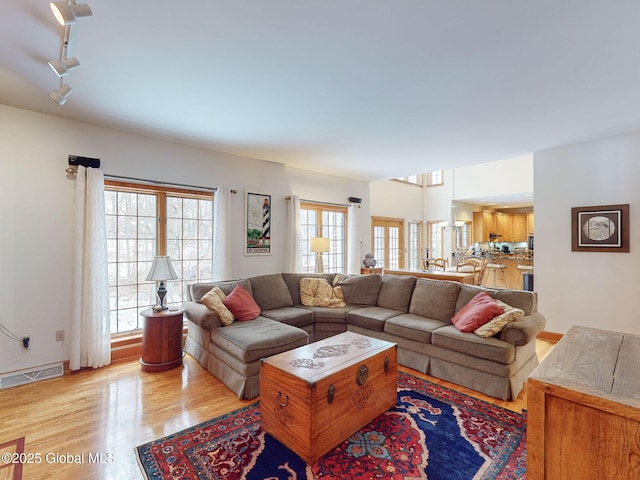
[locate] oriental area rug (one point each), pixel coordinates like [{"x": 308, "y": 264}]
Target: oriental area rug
[{"x": 432, "y": 433}]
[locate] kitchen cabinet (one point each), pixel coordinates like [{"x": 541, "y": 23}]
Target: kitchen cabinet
[
  {"x": 513, "y": 227},
  {"x": 484, "y": 223},
  {"x": 520, "y": 228},
  {"x": 504, "y": 227}
]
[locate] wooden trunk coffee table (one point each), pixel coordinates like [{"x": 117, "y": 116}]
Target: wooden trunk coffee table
[{"x": 314, "y": 397}]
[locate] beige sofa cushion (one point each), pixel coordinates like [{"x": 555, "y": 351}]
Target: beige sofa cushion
[
  {"x": 198, "y": 290},
  {"x": 522, "y": 299},
  {"x": 434, "y": 299},
  {"x": 395, "y": 292},
  {"x": 360, "y": 290},
  {"x": 270, "y": 291}
]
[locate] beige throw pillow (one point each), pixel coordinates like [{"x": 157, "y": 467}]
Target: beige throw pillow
[
  {"x": 316, "y": 292},
  {"x": 496, "y": 324},
  {"x": 213, "y": 301}
]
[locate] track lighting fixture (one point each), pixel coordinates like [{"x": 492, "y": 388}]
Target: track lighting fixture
[
  {"x": 66, "y": 13},
  {"x": 62, "y": 67},
  {"x": 61, "y": 94}
]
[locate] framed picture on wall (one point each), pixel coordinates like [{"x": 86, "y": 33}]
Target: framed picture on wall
[
  {"x": 600, "y": 229},
  {"x": 258, "y": 224}
]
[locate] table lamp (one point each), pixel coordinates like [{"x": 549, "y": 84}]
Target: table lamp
[
  {"x": 319, "y": 245},
  {"x": 161, "y": 271}
]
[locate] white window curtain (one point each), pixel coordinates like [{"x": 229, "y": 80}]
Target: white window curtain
[
  {"x": 222, "y": 234},
  {"x": 354, "y": 255},
  {"x": 293, "y": 239},
  {"x": 90, "y": 336}
]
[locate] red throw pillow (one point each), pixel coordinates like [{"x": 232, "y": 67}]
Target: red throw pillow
[
  {"x": 480, "y": 310},
  {"x": 241, "y": 304}
]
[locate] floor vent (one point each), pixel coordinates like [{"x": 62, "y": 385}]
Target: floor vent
[{"x": 21, "y": 377}]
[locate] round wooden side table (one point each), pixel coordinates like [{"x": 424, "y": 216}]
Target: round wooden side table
[{"x": 161, "y": 339}]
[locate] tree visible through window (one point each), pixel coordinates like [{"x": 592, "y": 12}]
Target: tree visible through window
[{"x": 144, "y": 221}]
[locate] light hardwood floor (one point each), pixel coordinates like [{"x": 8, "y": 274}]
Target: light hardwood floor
[{"x": 68, "y": 421}]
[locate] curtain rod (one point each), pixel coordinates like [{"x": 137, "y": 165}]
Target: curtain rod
[
  {"x": 288, "y": 197},
  {"x": 166, "y": 184}
]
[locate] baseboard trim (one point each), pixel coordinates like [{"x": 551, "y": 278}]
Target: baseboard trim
[{"x": 550, "y": 336}]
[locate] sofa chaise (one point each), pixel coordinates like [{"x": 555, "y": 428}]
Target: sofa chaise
[{"x": 416, "y": 314}]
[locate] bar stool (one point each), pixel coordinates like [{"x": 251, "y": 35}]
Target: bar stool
[
  {"x": 497, "y": 267},
  {"x": 524, "y": 262}
]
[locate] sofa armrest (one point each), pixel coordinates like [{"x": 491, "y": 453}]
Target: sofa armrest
[
  {"x": 523, "y": 331},
  {"x": 201, "y": 315}
]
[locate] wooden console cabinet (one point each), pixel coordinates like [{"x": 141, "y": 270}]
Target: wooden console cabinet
[
  {"x": 161, "y": 340},
  {"x": 367, "y": 271},
  {"x": 583, "y": 405}
]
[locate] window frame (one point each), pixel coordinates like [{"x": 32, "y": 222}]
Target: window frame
[
  {"x": 459, "y": 235},
  {"x": 418, "y": 182},
  {"x": 162, "y": 193},
  {"x": 419, "y": 244},
  {"x": 383, "y": 255},
  {"x": 308, "y": 257},
  {"x": 435, "y": 178},
  {"x": 437, "y": 225}
]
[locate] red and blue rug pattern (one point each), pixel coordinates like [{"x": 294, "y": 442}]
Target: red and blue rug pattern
[{"x": 433, "y": 433}]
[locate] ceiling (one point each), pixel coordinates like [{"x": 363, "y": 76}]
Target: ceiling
[{"x": 362, "y": 89}]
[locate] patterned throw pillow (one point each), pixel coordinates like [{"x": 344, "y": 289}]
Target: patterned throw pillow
[
  {"x": 316, "y": 292},
  {"x": 213, "y": 301},
  {"x": 496, "y": 324}
]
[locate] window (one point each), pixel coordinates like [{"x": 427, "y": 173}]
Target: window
[
  {"x": 321, "y": 220},
  {"x": 388, "y": 241},
  {"x": 144, "y": 221},
  {"x": 435, "y": 178},
  {"x": 415, "y": 245},
  {"x": 463, "y": 235},
  {"x": 435, "y": 239},
  {"x": 412, "y": 179}
]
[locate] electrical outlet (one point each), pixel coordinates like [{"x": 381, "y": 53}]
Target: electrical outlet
[{"x": 59, "y": 335}]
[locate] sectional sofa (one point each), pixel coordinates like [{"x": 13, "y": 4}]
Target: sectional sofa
[{"x": 416, "y": 314}]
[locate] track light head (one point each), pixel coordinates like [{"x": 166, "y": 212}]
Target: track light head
[
  {"x": 60, "y": 96},
  {"x": 62, "y": 67},
  {"x": 67, "y": 14}
]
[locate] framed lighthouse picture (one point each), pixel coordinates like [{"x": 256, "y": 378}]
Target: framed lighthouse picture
[{"x": 258, "y": 224}]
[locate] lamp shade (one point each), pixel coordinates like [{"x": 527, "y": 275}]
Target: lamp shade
[
  {"x": 67, "y": 14},
  {"x": 319, "y": 244},
  {"x": 162, "y": 269}
]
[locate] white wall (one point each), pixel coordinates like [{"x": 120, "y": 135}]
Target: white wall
[
  {"x": 599, "y": 290},
  {"x": 502, "y": 177},
  {"x": 393, "y": 199},
  {"x": 36, "y": 202}
]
